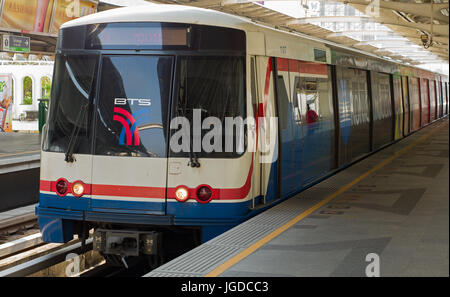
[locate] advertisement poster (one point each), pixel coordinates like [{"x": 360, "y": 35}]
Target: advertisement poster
[
  {"x": 6, "y": 102},
  {"x": 65, "y": 11},
  {"x": 43, "y": 15},
  {"x": 16, "y": 14}
]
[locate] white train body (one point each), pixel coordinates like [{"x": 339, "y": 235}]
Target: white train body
[{"x": 283, "y": 76}]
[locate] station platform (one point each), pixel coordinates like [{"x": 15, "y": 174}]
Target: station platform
[
  {"x": 19, "y": 144},
  {"x": 394, "y": 204},
  {"x": 20, "y": 211}
]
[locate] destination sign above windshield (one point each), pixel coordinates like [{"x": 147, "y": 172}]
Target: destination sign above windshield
[{"x": 118, "y": 36}]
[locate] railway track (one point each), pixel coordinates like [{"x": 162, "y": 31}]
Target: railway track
[
  {"x": 40, "y": 266},
  {"x": 70, "y": 260},
  {"x": 17, "y": 224},
  {"x": 23, "y": 253}
]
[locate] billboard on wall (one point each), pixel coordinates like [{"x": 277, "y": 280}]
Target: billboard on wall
[
  {"x": 6, "y": 102},
  {"x": 43, "y": 15},
  {"x": 65, "y": 11}
]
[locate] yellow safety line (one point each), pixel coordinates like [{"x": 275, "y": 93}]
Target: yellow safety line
[
  {"x": 237, "y": 258},
  {"x": 21, "y": 153}
]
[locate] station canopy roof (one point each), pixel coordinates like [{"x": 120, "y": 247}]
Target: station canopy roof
[{"x": 389, "y": 29}]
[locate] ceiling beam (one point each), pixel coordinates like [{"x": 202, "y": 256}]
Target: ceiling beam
[
  {"x": 331, "y": 19},
  {"x": 439, "y": 29},
  {"x": 418, "y": 9}
]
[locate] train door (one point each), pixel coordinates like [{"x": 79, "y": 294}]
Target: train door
[
  {"x": 432, "y": 92},
  {"x": 438, "y": 99},
  {"x": 209, "y": 171},
  {"x": 406, "y": 117},
  {"x": 398, "y": 107},
  {"x": 381, "y": 109},
  {"x": 354, "y": 114},
  {"x": 130, "y": 161},
  {"x": 414, "y": 103},
  {"x": 255, "y": 186},
  {"x": 425, "y": 99},
  {"x": 298, "y": 120},
  {"x": 441, "y": 100},
  {"x": 314, "y": 102},
  {"x": 445, "y": 94},
  {"x": 288, "y": 174},
  {"x": 267, "y": 157}
]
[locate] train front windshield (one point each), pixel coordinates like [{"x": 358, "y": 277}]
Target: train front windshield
[
  {"x": 72, "y": 89},
  {"x": 118, "y": 86}
]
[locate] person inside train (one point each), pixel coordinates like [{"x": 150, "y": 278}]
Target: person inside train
[{"x": 311, "y": 115}]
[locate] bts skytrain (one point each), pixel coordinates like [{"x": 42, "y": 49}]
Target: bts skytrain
[{"x": 169, "y": 124}]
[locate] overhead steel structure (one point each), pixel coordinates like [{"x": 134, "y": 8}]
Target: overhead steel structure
[{"x": 408, "y": 31}]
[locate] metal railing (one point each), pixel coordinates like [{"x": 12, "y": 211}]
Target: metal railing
[{"x": 43, "y": 109}]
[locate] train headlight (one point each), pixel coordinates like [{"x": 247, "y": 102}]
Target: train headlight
[
  {"x": 78, "y": 189},
  {"x": 181, "y": 194},
  {"x": 204, "y": 194},
  {"x": 61, "y": 187}
]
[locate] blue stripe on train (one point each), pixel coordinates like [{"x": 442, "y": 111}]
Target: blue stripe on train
[
  {"x": 57, "y": 214},
  {"x": 182, "y": 211}
]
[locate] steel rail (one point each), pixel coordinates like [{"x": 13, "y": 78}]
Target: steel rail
[
  {"x": 27, "y": 242},
  {"x": 45, "y": 261},
  {"x": 18, "y": 223}
]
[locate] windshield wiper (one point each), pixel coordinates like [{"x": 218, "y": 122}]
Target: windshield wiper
[
  {"x": 193, "y": 160},
  {"x": 74, "y": 135}
]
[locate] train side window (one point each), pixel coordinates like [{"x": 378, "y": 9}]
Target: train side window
[
  {"x": 313, "y": 99},
  {"x": 310, "y": 94},
  {"x": 297, "y": 101},
  {"x": 283, "y": 101},
  {"x": 253, "y": 87}
]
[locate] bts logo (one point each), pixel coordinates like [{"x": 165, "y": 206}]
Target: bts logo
[
  {"x": 129, "y": 121},
  {"x": 129, "y": 129},
  {"x": 131, "y": 101}
]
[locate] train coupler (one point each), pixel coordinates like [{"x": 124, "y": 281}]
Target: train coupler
[{"x": 127, "y": 243}]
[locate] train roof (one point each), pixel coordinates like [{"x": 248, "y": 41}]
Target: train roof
[{"x": 173, "y": 13}]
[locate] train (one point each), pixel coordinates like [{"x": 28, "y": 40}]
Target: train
[{"x": 170, "y": 124}]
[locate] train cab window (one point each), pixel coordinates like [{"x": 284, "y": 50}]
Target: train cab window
[
  {"x": 71, "y": 94},
  {"x": 214, "y": 88},
  {"x": 132, "y": 110}
]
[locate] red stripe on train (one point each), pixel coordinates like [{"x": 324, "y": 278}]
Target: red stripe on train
[
  {"x": 155, "y": 192},
  {"x": 301, "y": 67}
]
